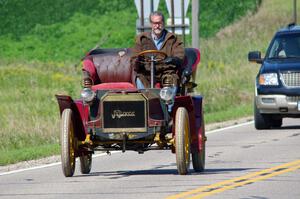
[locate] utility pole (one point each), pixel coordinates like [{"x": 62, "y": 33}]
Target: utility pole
[
  {"x": 295, "y": 11},
  {"x": 195, "y": 24}
]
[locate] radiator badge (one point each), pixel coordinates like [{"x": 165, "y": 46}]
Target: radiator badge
[{"x": 119, "y": 114}]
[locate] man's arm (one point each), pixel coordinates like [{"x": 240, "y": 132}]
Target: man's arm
[
  {"x": 134, "y": 58},
  {"x": 178, "y": 49},
  {"x": 177, "y": 56}
]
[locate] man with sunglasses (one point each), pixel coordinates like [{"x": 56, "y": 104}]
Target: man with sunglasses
[{"x": 159, "y": 39}]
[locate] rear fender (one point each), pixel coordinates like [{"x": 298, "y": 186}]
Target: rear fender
[
  {"x": 80, "y": 111},
  {"x": 197, "y": 145}
]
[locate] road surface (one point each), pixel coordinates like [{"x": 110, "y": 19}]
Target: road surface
[{"x": 241, "y": 162}]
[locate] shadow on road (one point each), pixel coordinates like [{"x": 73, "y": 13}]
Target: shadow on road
[
  {"x": 287, "y": 127},
  {"x": 127, "y": 173}
]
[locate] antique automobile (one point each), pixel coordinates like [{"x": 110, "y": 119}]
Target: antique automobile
[{"x": 113, "y": 115}]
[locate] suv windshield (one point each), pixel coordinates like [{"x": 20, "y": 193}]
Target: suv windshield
[{"x": 285, "y": 46}]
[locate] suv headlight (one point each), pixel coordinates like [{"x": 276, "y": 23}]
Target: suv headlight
[
  {"x": 268, "y": 79},
  {"x": 87, "y": 95},
  {"x": 168, "y": 93}
]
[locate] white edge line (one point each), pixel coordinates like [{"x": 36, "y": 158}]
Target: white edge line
[
  {"x": 102, "y": 154},
  {"x": 229, "y": 127},
  {"x": 47, "y": 165},
  {"x": 31, "y": 168}
]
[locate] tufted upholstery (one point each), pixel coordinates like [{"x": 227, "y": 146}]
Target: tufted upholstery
[{"x": 109, "y": 65}]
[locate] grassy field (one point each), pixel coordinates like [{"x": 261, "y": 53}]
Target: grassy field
[
  {"x": 29, "y": 112},
  {"x": 35, "y": 65}
]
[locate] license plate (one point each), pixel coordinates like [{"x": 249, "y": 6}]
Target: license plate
[{"x": 298, "y": 105}]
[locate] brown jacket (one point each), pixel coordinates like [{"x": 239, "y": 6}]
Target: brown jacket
[{"x": 172, "y": 46}]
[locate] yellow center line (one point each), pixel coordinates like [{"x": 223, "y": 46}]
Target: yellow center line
[{"x": 239, "y": 181}]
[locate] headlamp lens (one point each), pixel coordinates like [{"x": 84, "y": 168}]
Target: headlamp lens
[
  {"x": 167, "y": 93},
  {"x": 87, "y": 95}
]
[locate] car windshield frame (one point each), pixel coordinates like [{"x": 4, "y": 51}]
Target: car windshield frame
[{"x": 284, "y": 46}]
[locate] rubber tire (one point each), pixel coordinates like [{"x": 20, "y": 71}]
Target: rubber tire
[
  {"x": 85, "y": 163},
  {"x": 67, "y": 143},
  {"x": 261, "y": 121},
  {"x": 277, "y": 123},
  {"x": 182, "y": 140},
  {"x": 198, "y": 158}
]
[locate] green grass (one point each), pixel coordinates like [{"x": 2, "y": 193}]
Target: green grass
[
  {"x": 28, "y": 153},
  {"x": 229, "y": 114},
  {"x": 29, "y": 111}
]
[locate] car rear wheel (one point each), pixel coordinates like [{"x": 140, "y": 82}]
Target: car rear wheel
[
  {"x": 68, "y": 143},
  {"x": 182, "y": 140},
  {"x": 261, "y": 121},
  {"x": 85, "y": 163},
  {"x": 198, "y": 158}
]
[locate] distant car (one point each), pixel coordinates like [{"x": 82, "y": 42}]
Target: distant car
[
  {"x": 277, "y": 85},
  {"x": 113, "y": 115}
]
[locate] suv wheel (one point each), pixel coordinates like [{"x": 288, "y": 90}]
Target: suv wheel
[{"x": 261, "y": 121}]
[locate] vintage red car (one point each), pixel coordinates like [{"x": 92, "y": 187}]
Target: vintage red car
[{"x": 115, "y": 115}]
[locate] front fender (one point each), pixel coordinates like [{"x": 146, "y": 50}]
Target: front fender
[
  {"x": 80, "y": 111},
  {"x": 186, "y": 102},
  {"x": 194, "y": 108}
]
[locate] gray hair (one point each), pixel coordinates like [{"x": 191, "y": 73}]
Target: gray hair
[{"x": 157, "y": 13}]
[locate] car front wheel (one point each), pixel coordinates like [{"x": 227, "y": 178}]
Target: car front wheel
[
  {"x": 182, "y": 140},
  {"x": 261, "y": 121},
  {"x": 67, "y": 143}
]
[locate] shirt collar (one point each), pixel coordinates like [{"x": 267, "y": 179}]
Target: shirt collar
[{"x": 155, "y": 38}]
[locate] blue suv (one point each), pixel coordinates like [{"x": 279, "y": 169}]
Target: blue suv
[{"x": 277, "y": 85}]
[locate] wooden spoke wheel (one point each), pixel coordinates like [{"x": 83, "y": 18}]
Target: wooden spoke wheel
[
  {"x": 182, "y": 140},
  {"x": 68, "y": 143}
]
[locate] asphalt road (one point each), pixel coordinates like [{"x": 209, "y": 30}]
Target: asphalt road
[{"x": 241, "y": 162}]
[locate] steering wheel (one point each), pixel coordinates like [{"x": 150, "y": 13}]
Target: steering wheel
[{"x": 148, "y": 56}]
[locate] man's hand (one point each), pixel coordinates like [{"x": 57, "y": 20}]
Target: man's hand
[
  {"x": 168, "y": 60},
  {"x": 186, "y": 76},
  {"x": 173, "y": 60}
]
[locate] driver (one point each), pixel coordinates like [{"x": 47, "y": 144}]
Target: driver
[{"x": 158, "y": 39}]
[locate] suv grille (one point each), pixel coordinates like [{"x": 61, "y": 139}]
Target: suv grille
[
  {"x": 124, "y": 113},
  {"x": 293, "y": 98},
  {"x": 291, "y": 79}
]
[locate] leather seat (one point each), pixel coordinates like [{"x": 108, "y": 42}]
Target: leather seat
[{"x": 111, "y": 68}]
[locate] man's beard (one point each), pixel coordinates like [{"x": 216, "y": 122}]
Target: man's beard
[{"x": 157, "y": 32}]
